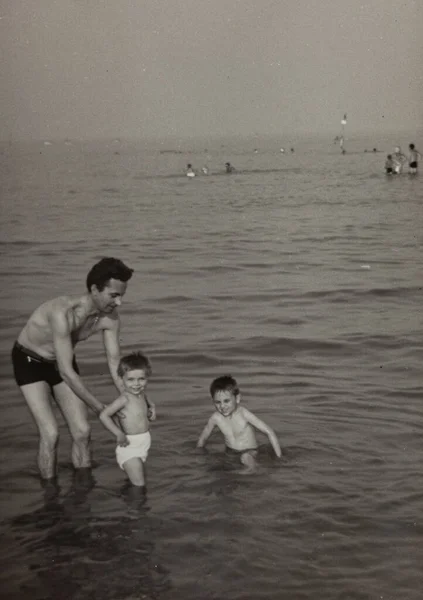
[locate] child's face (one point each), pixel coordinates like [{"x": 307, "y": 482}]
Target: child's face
[
  {"x": 135, "y": 381},
  {"x": 226, "y": 402}
]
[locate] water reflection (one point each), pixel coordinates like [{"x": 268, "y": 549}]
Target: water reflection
[{"x": 71, "y": 553}]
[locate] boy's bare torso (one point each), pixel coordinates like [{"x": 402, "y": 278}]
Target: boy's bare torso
[
  {"x": 37, "y": 334},
  {"x": 238, "y": 433},
  {"x": 133, "y": 416}
]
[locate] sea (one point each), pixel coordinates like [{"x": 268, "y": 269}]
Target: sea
[{"x": 300, "y": 274}]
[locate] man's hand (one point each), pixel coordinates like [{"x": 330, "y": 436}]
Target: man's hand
[{"x": 122, "y": 440}]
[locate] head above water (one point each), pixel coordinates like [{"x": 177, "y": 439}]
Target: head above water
[
  {"x": 411, "y": 146},
  {"x": 105, "y": 270},
  {"x": 225, "y": 383},
  {"x": 136, "y": 361},
  {"x": 397, "y": 149}
]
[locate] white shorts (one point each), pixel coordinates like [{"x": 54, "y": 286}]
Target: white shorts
[{"x": 138, "y": 447}]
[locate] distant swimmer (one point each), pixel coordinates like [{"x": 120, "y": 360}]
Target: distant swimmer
[
  {"x": 399, "y": 160},
  {"x": 413, "y": 161},
  {"x": 205, "y": 170},
  {"x": 389, "y": 165},
  {"x": 190, "y": 171},
  {"x": 229, "y": 168}
]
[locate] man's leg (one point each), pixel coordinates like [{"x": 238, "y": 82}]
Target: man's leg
[
  {"x": 37, "y": 396},
  {"x": 76, "y": 415}
]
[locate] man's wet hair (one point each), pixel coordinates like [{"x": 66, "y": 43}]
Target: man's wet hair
[
  {"x": 133, "y": 362},
  {"x": 223, "y": 384},
  {"x": 106, "y": 269}
]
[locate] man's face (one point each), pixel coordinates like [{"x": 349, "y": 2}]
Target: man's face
[{"x": 111, "y": 296}]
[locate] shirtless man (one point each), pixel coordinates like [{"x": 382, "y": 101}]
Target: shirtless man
[{"x": 44, "y": 361}]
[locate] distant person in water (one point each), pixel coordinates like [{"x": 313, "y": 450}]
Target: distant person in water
[
  {"x": 44, "y": 362},
  {"x": 389, "y": 165},
  {"x": 399, "y": 160},
  {"x": 236, "y": 423},
  {"x": 205, "y": 170},
  {"x": 190, "y": 171},
  {"x": 413, "y": 161},
  {"x": 229, "y": 168},
  {"x": 132, "y": 410}
]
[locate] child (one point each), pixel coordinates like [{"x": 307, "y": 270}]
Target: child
[
  {"x": 236, "y": 423},
  {"x": 413, "y": 159},
  {"x": 399, "y": 159},
  {"x": 389, "y": 165},
  {"x": 190, "y": 171},
  {"x": 133, "y": 436}
]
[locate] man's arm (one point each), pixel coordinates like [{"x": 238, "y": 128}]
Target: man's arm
[
  {"x": 211, "y": 424},
  {"x": 112, "y": 348},
  {"x": 64, "y": 356},
  {"x": 261, "y": 426}
]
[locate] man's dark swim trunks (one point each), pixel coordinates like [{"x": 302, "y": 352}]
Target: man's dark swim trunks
[
  {"x": 30, "y": 367},
  {"x": 413, "y": 165}
]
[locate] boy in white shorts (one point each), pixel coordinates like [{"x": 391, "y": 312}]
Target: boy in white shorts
[{"x": 133, "y": 414}]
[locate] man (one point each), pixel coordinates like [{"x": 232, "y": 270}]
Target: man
[{"x": 44, "y": 361}]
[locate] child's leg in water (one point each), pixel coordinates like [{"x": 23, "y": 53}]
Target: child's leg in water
[
  {"x": 134, "y": 468},
  {"x": 248, "y": 459}
]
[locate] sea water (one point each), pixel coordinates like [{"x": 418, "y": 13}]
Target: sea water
[{"x": 301, "y": 275}]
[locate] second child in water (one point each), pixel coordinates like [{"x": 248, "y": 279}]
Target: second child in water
[
  {"x": 133, "y": 413},
  {"x": 236, "y": 423}
]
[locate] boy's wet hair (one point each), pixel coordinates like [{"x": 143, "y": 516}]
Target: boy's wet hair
[
  {"x": 106, "y": 269},
  {"x": 411, "y": 146},
  {"x": 132, "y": 362},
  {"x": 223, "y": 384}
]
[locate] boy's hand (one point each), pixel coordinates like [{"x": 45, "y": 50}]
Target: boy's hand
[
  {"x": 151, "y": 413},
  {"x": 122, "y": 440}
]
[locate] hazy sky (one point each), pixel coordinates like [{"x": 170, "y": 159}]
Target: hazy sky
[{"x": 119, "y": 68}]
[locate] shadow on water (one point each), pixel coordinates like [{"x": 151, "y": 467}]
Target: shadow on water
[{"x": 61, "y": 551}]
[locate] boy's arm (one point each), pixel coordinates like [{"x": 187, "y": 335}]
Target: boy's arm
[
  {"x": 151, "y": 414},
  {"x": 205, "y": 434},
  {"x": 261, "y": 426},
  {"x": 106, "y": 418}
]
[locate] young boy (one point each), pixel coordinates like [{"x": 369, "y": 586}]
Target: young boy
[
  {"x": 236, "y": 423},
  {"x": 413, "y": 161},
  {"x": 389, "y": 165},
  {"x": 133, "y": 436}
]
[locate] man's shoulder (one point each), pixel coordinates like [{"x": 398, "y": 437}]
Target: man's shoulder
[
  {"x": 60, "y": 304},
  {"x": 109, "y": 321}
]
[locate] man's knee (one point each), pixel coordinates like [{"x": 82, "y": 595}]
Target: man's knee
[
  {"x": 81, "y": 433},
  {"x": 49, "y": 437}
]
